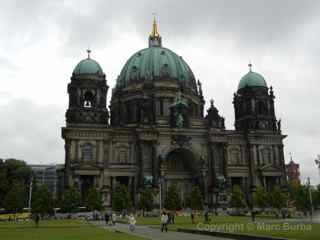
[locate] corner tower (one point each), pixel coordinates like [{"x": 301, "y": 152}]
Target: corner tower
[
  {"x": 254, "y": 104},
  {"x": 87, "y": 95}
]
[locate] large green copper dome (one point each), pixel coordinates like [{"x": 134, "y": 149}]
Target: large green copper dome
[
  {"x": 88, "y": 66},
  {"x": 252, "y": 79},
  {"x": 154, "y": 63}
]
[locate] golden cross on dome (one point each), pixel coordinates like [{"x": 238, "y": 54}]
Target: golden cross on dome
[{"x": 154, "y": 32}]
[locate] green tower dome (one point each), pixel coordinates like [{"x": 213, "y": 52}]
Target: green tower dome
[
  {"x": 155, "y": 62},
  {"x": 252, "y": 79},
  {"x": 88, "y": 66}
]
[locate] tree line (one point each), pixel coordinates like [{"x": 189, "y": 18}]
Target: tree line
[
  {"x": 16, "y": 176},
  {"x": 297, "y": 196}
]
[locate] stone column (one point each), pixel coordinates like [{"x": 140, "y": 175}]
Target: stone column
[
  {"x": 140, "y": 163},
  {"x": 111, "y": 189},
  {"x": 205, "y": 182},
  {"x": 153, "y": 163},
  {"x": 130, "y": 188},
  {"x": 100, "y": 152},
  {"x": 283, "y": 167},
  {"x": 68, "y": 178},
  {"x": 225, "y": 159},
  {"x": 101, "y": 180},
  {"x": 211, "y": 170},
  {"x": 78, "y": 152}
]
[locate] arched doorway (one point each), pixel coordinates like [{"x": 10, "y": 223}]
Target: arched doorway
[{"x": 181, "y": 170}]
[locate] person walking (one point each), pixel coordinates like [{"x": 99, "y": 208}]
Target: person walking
[
  {"x": 164, "y": 222},
  {"x": 114, "y": 219},
  {"x": 206, "y": 216},
  {"x": 37, "y": 219},
  {"x": 132, "y": 222},
  {"x": 192, "y": 217},
  {"x": 106, "y": 218},
  {"x": 172, "y": 217}
]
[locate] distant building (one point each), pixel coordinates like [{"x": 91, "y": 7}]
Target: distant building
[
  {"x": 48, "y": 175},
  {"x": 293, "y": 172}
]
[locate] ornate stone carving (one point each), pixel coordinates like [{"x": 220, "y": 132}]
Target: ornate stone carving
[{"x": 181, "y": 140}]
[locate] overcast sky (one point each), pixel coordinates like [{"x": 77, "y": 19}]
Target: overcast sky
[{"x": 41, "y": 42}]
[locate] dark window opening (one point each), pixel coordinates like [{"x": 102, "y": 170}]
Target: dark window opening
[{"x": 88, "y": 100}]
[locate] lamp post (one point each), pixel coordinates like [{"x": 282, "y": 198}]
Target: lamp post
[
  {"x": 220, "y": 187},
  {"x": 30, "y": 193},
  {"x": 253, "y": 214},
  {"x": 161, "y": 180},
  {"x": 204, "y": 174},
  {"x": 216, "y": 197},
  {"x": 310, "y": 197},
  {"x": 317, "y": 161}
]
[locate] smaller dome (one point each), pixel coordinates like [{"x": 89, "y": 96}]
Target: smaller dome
[
  {"x": 252, "y": 79},
  {"x": 88, "y": 66}
]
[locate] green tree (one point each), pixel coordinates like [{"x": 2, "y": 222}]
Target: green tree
[
  {"x": 70, "y": 200},
  {"x": 42, "y": 202},
  {"x": 121, "y": 198},
  {"x": 196, "y": 200},
  {"x": 260, "y": 197},
  {"x": 146, "y": 200},
  {"x": 238, "y": 199},
  {"x": 94, "y": 200},
  {"x": 173, "y": 201},
  {"x": 15, "y": 198},
  {"x": 277, "y": 198},
  {"x": 316, "y": 197},
  {"x": 13, "y": 172},
  {"x": 300, "y": 196}
]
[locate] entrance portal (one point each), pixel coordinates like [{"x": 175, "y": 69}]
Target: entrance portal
[
  {"x": 181, "y": 170},
  {"x": 86, "y": 182}
]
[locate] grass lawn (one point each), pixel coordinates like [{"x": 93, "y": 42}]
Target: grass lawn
[
  {"x": 265, "y": 225},
  {"x": 58, "y": 229}
]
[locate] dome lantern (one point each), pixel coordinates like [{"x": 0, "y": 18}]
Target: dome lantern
[{"x": 154, "y": 37}]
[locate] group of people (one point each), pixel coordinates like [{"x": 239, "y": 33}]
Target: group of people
[
  {"x": 165, "y": 219},
  {"x": 110, "y": 218}
]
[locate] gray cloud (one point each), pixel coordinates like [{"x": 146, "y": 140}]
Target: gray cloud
[{"x": 31, "y": 132}]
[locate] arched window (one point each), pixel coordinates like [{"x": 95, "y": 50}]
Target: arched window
[
  {"x": 88, "y": 101},
  {"x": 262, "y": 108},
  {"x": 266, "y": 156},
  {"x": 87, "y": 152}
]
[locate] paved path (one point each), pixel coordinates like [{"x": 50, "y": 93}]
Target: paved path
[{"x": 156, "y": 234}]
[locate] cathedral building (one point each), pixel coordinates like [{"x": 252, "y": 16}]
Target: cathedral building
[{"x": 157, "y": 132}]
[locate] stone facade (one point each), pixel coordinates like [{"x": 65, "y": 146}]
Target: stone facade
[{"x": 158, "y": 129}]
